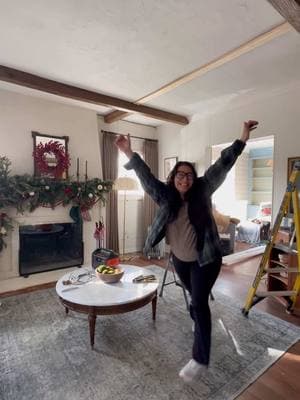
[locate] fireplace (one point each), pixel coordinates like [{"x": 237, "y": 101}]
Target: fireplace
[{"x": 47, "y": 247}]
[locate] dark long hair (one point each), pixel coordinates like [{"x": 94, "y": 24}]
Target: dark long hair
[{"x": 175, "y": 202}]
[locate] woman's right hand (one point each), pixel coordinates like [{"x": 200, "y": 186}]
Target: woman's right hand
[
  {"x": 247, "y": 128},
  {"x": 124, "y": 145}
]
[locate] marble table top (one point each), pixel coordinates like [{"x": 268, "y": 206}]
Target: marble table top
[{"x": 95, "y": 292}]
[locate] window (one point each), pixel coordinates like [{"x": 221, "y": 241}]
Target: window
[
  {"x": 129, "y": 173},
  {"x": 130, "y": 206}
]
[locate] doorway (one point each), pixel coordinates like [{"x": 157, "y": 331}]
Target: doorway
[{"x": 246, "y": 194}]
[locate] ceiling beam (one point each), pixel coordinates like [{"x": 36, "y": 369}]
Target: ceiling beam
[
  {"x": 216, "y": 63},
  {"x": 290, "y": 10},
  {"x": 61, "y": 89}
]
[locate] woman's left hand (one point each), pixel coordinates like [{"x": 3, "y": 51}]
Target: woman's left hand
[{"x": 248, "y": 127}]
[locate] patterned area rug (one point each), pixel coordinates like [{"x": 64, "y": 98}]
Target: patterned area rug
[{"x": 46, "y": 354}]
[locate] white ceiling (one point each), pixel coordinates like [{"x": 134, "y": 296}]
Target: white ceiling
[{"x": 128, "y": 49}]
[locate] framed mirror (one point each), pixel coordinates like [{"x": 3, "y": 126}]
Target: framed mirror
[{"x": 51, "y": 157}]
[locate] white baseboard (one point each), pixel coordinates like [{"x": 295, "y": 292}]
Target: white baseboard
[{"x": 242, "y": 255}]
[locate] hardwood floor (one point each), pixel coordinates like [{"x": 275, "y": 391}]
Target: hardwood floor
[{"x": 279, "y": 382}]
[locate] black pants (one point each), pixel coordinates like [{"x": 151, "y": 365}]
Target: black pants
[{"x": 199, "y": 282}]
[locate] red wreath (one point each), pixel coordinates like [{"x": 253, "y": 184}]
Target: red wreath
[{"x": 62, "y": 158}]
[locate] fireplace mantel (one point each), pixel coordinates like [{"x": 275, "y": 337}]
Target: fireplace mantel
[{"x": 9, "y": 257}]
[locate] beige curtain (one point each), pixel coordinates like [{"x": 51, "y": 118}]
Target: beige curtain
[
  {"x": 151, "y": 159},
  {"x": 110, "y": 172}
]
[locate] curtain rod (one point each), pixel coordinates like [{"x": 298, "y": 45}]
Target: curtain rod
[{"x": 135, "y": 137}]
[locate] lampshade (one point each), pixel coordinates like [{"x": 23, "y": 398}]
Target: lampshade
[{"x": 125, "y": 183}]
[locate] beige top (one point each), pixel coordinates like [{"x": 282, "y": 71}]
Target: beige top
[{"x": 181, "y": 236}]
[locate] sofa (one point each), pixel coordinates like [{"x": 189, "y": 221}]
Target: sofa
[{"x": 227, "y": 228}]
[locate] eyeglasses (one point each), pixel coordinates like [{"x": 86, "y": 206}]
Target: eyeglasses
[{"x": 180, "y": 175}]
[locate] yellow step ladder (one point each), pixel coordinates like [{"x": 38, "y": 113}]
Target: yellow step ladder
[{"x": 254, "y": 296}]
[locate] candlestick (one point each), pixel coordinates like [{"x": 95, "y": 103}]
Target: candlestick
[{"x": 77, "y": 171}]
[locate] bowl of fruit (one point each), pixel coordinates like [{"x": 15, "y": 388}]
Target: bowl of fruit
[{"x": 109, "y": 274}]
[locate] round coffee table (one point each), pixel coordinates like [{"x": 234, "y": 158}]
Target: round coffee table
[{"x": 96, "y": 297}]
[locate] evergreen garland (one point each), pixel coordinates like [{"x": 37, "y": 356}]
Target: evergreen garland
[
  {"x": 27, "y": 192},
  {"x": 5, "y": 226}
]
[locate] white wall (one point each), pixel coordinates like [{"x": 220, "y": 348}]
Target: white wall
[
  {"x": 124, "y": 127},
  {"x": 169, "y": 144},
  {"x": 278, "y": 115},
  {"x": 19, "y": 115}
]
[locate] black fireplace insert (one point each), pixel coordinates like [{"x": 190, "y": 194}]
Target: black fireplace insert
[{"x": 48, "y": 247}]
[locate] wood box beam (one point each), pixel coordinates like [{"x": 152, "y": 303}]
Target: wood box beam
[
  {"x": 289, "y": 9},
  {"x": 61, "y": 89}
]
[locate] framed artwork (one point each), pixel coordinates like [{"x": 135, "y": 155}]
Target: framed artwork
[
  {"x": 290, "y": 166},
  {"x": 50, "y": 154},
  {"x": 291, "y": 162},
  {"x": 169, "y": 164}
]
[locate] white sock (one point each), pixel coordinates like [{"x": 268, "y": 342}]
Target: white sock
[{"x": 190, "y": 370}]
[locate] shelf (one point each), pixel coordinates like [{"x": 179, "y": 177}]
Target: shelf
[
  {"x": 265, "y": 168},
  {"x": 282, "y": 301},
  {"x": 261, "y": 191},
  {"x": 261, "y": 180},
  {"x": 276, "y": 262},
  {"x": 286, "y": 249},
  {"x": 280, "y": 278},
  {"x": 256, "y": 204}
]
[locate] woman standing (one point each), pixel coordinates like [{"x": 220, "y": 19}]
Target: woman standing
[{"x": 185, "y": 218}]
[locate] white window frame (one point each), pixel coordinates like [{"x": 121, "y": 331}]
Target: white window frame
[{"x": 137, "y": 146}]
